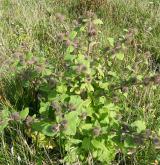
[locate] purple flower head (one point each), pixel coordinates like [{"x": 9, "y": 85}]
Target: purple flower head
[{"x": 60, "y": 17}]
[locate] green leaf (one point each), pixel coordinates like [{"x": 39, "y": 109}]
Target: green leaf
[
  {"x": 75, "y": 141},
  {"x": 97, "y": 22},
  {"x": 86, "y": 126},
  {"x": 3, "y": 125},
  {"x": 140, "y": 125},
  {"x": 4, "y": 118},
  {"x": 61, "y": 89},
  {"x": 97, "y": 144},
  {"x": 86, "y": 144},
  {"x": 29, "y": 55},
  {"x": 47, "y": 130},
  {"x": 82, "y": 29},
  {"x": 47, "y": 72},
  {"x": 72, "y": 123},
  {"x": 76, "y": 100},
  {"x": 114, "y": 74},
  {"x": 5, "y": 114},
  {"x": 106, "y": 155},
  {"x": 139, "y": 77},
  {"x": 72, "y": 35},
  {"x": 102, "y": 100},
  {"x": 69, "y": 57},
  {"x": 129, "y": 68},
  {"x": 108, "y": 108},
  {"x": 43, "y": 107},
  {"x": 70, "y": 49},
  {"x": 43, "y": 127},
  {"x": 104, "y": 85},
  {"x": 111, "y": 41},
  {"x": 89, "y": 87},
  {"x": 24, "y": 113},
  {"x": 119, "y": 56}
]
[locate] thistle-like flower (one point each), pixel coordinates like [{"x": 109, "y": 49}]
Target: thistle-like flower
[
  {"x": 157, "y": 79},
  {"x": 71, "y": 107},
  {"x": 96, "y": 131},
  {"x": 29, "y": 121},
  {"x": 146, "y": 81},
  {"x": 92, "y": 33},
  {"x": 63, "y": 124},
  {"x": 15, "y": 116},
  {"x": 67, "y": 42},
  {"x": 56, "y": 106},
  {"x": 60, "y": 17},
  {"x": 56, "y": 127},
  {"x": 83, "y": 116}
]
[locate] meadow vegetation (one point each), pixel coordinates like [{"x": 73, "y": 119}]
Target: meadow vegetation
[{"x": 79, "y": 82}]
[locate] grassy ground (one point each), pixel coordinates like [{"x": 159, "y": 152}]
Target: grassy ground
[{"x": 28, "y": 25}]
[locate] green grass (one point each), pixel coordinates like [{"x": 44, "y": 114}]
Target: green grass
[{"x": 29, "y": 26}]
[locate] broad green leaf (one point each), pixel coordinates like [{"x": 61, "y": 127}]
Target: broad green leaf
[
  {"x": 43, "y": 127},
  {"x": 106, "y": 154},
  {"x": 72, "y": 35},
  {"x": 75, "y": 141},
  {"x": 82, "y": 29},
  {"x": 139, "y": 77},
  {"x": 111, "y": 41},
  {"x": 114, "y": 74},
  {"x": 86, "y": 126},
  {"x": 89, "y": 87},
  {"x": 5, "y": 114},
  {"x": 119, "y": 56},
  {"x": 108, "y": 107},
  {"x": 70, "y": 49},
  {"x": 69, "y": 57},
  {"x": 105, "y": 120},
  {"x": 24, "y": 113},
  {"x": 47, "y": 130},
  {"x": 43, "y": 107},
  {"x": 97, "y": 144},
  {"x": 140, "y": 125},
  {"x": 47, "y": 72},
  {"x": 61, "y": 89},
  {"x": 109, "y": 63},
  {"x": 4, "y": 118},
  {"x": 103, "y": 85},
  {"x": 102, "y": 100},
  {"x": 95, "y": 153},
  {"x": 86, "y": 144},
  {"x": 60, "y": 97},
  {"x": 72, "y": 123},
  {"x": 29, "y": 55},
  {"x": 129, "y": 68},
  {"x": 100, "y": 71},
  {"x": 3, "y": 125},
  {"x": 97, "y": 22},
  {"x": 76, "y": 100}
]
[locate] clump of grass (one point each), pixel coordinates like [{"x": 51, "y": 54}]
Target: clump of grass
[{"x": 17, "y": 148}]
